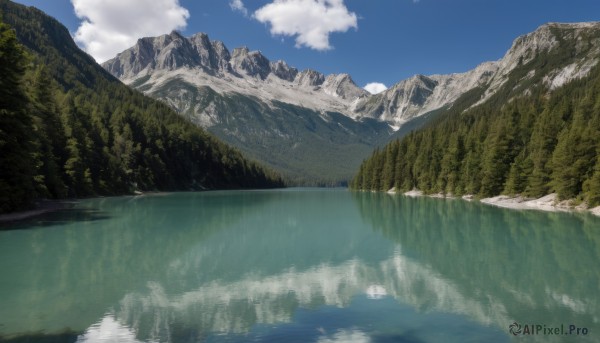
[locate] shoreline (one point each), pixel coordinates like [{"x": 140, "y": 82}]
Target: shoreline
[
  {"x": 52, "y": 205},
  {"x": 548, "y": 203},
  {"x": 43, "y": 207}
]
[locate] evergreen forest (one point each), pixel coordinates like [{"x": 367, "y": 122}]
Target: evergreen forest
[
  {"x": 533, "y": 144},
  {"x": 69, "y": 129}
]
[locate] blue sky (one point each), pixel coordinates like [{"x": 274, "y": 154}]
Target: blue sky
[{"x": 373, "y": 40}]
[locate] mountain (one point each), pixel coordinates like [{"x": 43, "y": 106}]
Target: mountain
[
  {"x": 295, "y": 121},
  {"x": 421, "y": 94},
  {"x": 70, "y": 129},
  {"x": 533, "y": 129},
  {"x": 309, "y": 125},
  {"x": 202, "y": 62}
]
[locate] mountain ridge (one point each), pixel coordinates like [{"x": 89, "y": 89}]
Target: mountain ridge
[
  {"x": 398, "y": 104},
  {"x": 156, "y": 56},
  {"x": 199, "y": 86}
]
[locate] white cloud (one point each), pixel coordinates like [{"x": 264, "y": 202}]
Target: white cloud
[
  {"x": 375, "y": 87},
  {"x": 346, "y": 336},
  {"x": 310, "y": 21},
  {"x": 238, "y": 5},
  {"x": 111, "y": 26}
]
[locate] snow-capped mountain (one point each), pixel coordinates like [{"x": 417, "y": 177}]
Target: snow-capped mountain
[{"x": 242, "y": 95}]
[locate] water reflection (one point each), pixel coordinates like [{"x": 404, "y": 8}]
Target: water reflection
[
  {"x": 108, "y": 330},
  {"x": 305, "y": 266},
  {"x": 68, "y": 277},
  {"x": 533, "y": 267},
  {"x": 58, "y": 217},
  {"x": 235, "y": 307}
]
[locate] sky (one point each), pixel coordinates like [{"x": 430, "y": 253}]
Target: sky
[{"x": 378, "y": 42}]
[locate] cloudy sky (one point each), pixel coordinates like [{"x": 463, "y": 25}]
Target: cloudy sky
[{"x": 378, "y": 42}]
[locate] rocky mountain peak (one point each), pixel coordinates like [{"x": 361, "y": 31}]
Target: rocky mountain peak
[
  {"x": 174, "y": 51},
  {"x": 212, "y": 65},
  {"x": 549, "y": 37},
  {"x": 240, "y": 52},
  {"x": 200, "y": 37},
  {"x": 545, "y": 38},
  {"x": 406, "y": 99},
  {"x": 309, "y": 78},
  {"x": 525, "y": 47},
  {"x": 169, "y": 52},
  {"x": 251, "y": 63},
  {"x": 283, "y": 71},
  {"x": 213, "y": 56},
  {"x": 342, "y": 85},
  {"x": 221, "y": 49}
]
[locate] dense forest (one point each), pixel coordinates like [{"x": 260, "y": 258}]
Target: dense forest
[
  {"x": 534, "y": 144},
  {"x": 69, "y": 129}
]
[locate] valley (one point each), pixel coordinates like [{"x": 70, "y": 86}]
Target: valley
[{"x": 313, "y": 128}]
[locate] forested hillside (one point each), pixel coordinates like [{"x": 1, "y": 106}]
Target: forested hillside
[
  {"x": 70, "y": 129},
  {"x": 525, "y": 140}
]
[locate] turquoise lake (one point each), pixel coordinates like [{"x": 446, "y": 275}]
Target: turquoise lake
[{"x": 299, "y": 265}]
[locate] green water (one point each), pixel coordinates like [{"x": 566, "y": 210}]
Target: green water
[{"x": 302, "y": 265}]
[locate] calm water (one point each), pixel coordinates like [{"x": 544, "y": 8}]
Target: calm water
[{"x": 297, "y": 266}]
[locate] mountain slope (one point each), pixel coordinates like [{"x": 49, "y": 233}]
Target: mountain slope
[
  {"x": 421, "y": 94},
  {"x": 291, "y": 120},
  {"x": 311, "y": 147},
  {"x": 85, "y": 133},
  {"x": 202, "y": 62},
  {"x": 254, "y": 103},
  {"x": 299, "y": 122},
  {"x": 533, "y": 130}
]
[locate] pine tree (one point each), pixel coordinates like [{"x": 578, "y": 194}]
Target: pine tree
[
  {"x": 592, "y": 186},
  {"x": 517, "y": 176},
  {"x": 16, "y": 139},
  {"x": 389, "y": 165},
  {"x": 50, "y": 142},
  {"x": 450, "y": 165}
]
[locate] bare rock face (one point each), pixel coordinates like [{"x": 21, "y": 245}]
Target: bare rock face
[
  {"x": 342, "y": 86},
  {"x": 251, "y": 63},
  {"x": 401, "y": 102},
  {"x": 421, "y": 94},
  {"x": 166, "y": 52},
  {"x": 545, "y": 39},
  {"x": 213, "y": 56},
  {"x": 309, "y": 78},
  {"x": 283, "y": 71}
]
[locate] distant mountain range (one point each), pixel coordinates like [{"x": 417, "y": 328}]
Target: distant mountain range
[{"x": 312, "y": 126}]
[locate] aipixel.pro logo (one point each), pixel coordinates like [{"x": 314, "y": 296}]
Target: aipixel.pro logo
[{"x": 517, "y": 329}]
